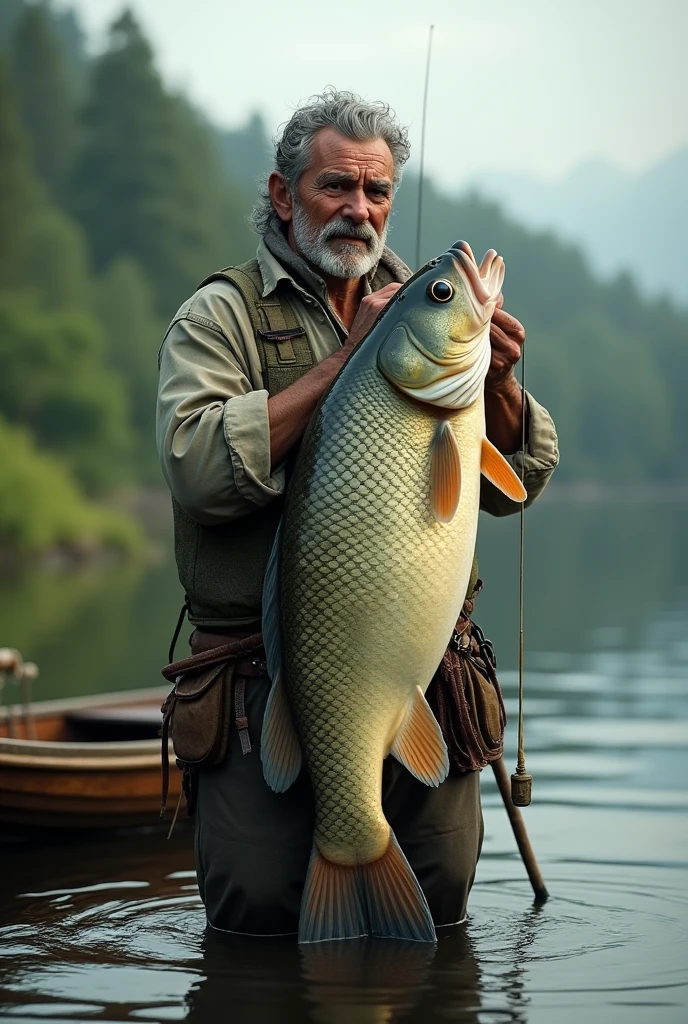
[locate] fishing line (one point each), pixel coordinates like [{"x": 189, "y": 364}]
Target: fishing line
[
  {"x": 422, "y": 147},
  {"x": 521, "y": 782}
]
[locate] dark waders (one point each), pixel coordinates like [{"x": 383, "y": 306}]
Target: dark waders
[{"x": 253, "y": 845}]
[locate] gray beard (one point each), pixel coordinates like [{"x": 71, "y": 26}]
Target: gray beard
[{"x": 349, "y": 261}]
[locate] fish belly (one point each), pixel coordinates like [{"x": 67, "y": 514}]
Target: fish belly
[{"x": 371, "y": 588}]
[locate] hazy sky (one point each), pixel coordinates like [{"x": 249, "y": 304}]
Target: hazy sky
[{"x": 516, "y": 85}]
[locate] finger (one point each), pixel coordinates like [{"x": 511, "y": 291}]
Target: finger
[
  {"x": 509, "y": 325},
  {"x": 500, "y": 301},
  {"x": 504, "y": 347},
  {"x": 389, "y": 289}
]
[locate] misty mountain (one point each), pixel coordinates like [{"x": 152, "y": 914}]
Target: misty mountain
[{"x": 622, "y": 221}]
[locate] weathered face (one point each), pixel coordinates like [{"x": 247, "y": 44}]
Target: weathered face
[
  {"x": 343, "y": 202},
  {"x": 438, "y": 348}
]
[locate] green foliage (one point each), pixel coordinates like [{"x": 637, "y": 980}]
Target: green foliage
[
  {"x": 46, "y": 97},
  {"x": 19, "y": 189},
  {"x": 53, "y": 381},
  {"x": 110, "y": 215},
  {"x": 607, "y": 432},
  {"x": 53, "y": 259},
  {"x": 41, "y": 507},
  {"x": 124, "y": 306},
  {"x": 10, "y": 13},
  {"x": 148, "y": 182}
]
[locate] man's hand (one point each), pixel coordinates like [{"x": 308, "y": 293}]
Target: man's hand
[
  {"x": 503, "y": 396},
  {"x": 290, "y": 410},
  {"x": 368, "y": 312},
  {"x": 506, "y": 340}
]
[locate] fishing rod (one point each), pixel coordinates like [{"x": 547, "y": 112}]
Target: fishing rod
[
  {"x": 422, "y": 147},
  {"x": 516, "y": 792}
]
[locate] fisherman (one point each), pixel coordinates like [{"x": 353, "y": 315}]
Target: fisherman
[{"x": 242, "y": 368}]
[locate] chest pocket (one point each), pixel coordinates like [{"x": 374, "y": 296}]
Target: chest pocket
[
  {"x": 285, "y": 353},
  {"x": 282, "y": 343}
]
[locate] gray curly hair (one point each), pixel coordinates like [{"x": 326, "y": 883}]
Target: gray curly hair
[{"x": 352, "y": 117}]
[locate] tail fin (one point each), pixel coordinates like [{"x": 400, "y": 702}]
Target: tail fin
[{"x": 382, "y": 898}]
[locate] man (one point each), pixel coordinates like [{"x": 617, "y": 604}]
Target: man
[{"x": 243, "y": 365}]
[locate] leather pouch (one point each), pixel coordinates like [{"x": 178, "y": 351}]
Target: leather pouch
[
  {"x": 201, "y": 716},
  {"x": 197, "y": 713},
  {"x": 467, "y": 700}
]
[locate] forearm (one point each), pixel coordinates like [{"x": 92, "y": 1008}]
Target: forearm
[
  {"x": 290, "y": 410},
  {"x": 535, "y": 466},
  {"x": 503, "y": 415},
  {"x": 212, "y": 428}
]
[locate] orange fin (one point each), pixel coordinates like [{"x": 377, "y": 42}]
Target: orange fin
[
  {"x": 279, "y": 746},
  {"x": 494, "y": 466},
  {"x": 419, "y": 743},
  {"x": 445, "y": 473},
  {"x": 382, "y": 898}
]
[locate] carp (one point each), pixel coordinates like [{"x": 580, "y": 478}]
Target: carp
[{"x": 366, "y": 580}]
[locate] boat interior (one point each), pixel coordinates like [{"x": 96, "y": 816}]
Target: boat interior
[{"x": 82, "y": 725}]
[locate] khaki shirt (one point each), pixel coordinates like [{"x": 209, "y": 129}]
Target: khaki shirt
[{"x": 213, "y": 430}]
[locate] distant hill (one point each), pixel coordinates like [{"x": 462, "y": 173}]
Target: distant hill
[
  {"x": 245, "y": 152},
  {"x": 152, "y": 198},
  {"x": 623, "y": 221}
]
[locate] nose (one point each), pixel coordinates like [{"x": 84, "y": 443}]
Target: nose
[{"x": 356, "y": 206}]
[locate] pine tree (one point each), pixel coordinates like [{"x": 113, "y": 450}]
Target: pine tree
[
  {"x": 19, "y": 189},
  {"x": 148, "y": 184},
  {"x": 124, "y": 307},
  {"x": 46, "y": 97}
]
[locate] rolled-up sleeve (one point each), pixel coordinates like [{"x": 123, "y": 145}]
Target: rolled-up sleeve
[
  {"x": 538, "y": 464},
  {"x": 213, "y": 431}
]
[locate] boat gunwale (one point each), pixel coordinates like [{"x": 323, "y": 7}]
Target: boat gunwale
[
  {"x": 65, "y": 755},
  {"x": 64, "y": 705}
]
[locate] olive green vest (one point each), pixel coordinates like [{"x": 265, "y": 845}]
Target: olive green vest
[{"x": 221, "y": 568}]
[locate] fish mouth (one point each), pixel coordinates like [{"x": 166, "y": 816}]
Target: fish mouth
[
  {"x": 450, "y": 360},
  {"x": 484, "y": 281}
]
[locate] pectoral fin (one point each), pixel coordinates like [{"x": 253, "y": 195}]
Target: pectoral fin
[
  {"x": 445, "y": 473},
  {"x": 494, "y": 466},
  {"x": 280, "y": 749},
  {"x": 419, "y": 743}
]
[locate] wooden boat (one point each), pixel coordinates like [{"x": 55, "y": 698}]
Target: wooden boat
[{"x": 84, "y": 761}]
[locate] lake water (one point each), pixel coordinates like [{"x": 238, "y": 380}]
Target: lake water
[{"x": 110, "y": 928}]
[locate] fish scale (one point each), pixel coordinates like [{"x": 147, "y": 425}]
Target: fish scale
[
  {"x": 361, "y": 485},
  {"x": 366, "y": 580}
]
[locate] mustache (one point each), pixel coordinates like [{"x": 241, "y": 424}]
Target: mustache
[{"x": 343, "y": 228}]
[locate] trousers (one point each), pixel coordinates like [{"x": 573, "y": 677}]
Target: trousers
[{"x": 253, "y": 845}]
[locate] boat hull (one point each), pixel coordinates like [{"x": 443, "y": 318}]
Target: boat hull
[{"x": 50, "y": 780}]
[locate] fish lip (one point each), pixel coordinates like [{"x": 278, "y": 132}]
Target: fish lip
[{"x": 457, "y": 341}]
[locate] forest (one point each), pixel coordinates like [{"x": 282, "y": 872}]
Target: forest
[{"x": 117, "y": 197}]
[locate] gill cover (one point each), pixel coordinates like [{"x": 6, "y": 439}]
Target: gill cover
[{"x": 439, "y": 350}]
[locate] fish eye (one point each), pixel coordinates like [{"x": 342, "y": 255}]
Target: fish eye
[{"x": 440, "y": 291}]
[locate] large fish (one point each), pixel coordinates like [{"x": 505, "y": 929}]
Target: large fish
[{"x": 366, "y": 580}]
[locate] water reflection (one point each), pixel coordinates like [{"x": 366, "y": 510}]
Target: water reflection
[
  {"x": 356, "y": 982},
  {"x": 111, "y": 927},
  {"x": 596, "y": 575}
]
